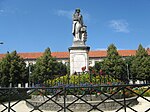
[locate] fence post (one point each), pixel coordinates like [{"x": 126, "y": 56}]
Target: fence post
[
  {"x": 9, "y": 92},
  {"x": 64, "y": 88},
  {"x": 124, "y": 101}
]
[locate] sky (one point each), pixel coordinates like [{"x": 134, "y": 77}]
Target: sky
[{"x": 34, "y": 25}]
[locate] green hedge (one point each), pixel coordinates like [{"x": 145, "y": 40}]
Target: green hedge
[{"x": 12, "y": 95}]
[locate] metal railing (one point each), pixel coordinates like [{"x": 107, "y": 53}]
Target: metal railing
[{"x": 97, "y": 98}]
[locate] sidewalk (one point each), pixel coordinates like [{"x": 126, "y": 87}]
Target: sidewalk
[{"x": 141, "y": 107}]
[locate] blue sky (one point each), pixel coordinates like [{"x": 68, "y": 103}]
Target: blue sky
[{"x": 34, "y": 25}]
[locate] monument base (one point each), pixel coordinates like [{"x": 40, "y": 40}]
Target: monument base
[
  {"x": 79, "y": 57},
  {"x": 80, "y": 105}
]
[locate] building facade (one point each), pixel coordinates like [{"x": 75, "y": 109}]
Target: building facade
[{"x": 94, "y": 56}]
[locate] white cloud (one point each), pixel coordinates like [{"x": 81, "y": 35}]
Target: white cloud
[
  {"x": 119, "y": 26},
  {"x": 64, "y": 13},
  {"x": 69, "y": 13},
  {"x": 7, "y": 10},
  {"x": 1, "y": 11}
]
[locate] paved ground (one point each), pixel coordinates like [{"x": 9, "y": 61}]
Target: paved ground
[{"x": 141, "y": 107}]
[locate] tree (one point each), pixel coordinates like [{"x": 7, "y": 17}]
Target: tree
[
  {"x": 140, "y": 67},
  {"x": 141, "y": 52},
  {"x": 47, "y": 67},
  {"x": 98, "y": 66},
  {"x": 13, "y": 69},
  {"x": 4, "y": 69},
  {"x": 113, "y": 64},
  {"x": 61, "y": 69},
  {"x": 128, "y": 62}
]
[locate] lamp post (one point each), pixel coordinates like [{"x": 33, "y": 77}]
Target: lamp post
[
  {"x": 128, "y": 72},
  {"x": 29, "y": 73}
]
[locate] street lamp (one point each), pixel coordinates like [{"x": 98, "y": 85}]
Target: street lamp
[
  {"x": 29, "y": 73},
  {"x": 128, "y": 72}
]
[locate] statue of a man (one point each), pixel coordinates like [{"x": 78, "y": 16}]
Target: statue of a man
[{"x": 77, "y": 25}]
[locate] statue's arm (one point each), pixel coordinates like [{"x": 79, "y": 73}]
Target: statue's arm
[
  {"x": 81, "y": 20},
  {"x": 75, "y": 18}
]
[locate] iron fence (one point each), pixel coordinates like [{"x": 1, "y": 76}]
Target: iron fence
[{"x": 97, "y": 98}]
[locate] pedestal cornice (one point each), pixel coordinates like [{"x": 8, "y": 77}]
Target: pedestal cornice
[{"x": 79, "y": 48}]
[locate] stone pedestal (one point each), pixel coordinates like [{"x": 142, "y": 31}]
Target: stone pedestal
[{"x": 78, "y": 57}]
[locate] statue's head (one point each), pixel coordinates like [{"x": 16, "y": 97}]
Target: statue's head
[{"x": 78, "y": 10}]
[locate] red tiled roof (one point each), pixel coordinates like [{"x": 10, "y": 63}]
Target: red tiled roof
[
  {"x": 127, "y": 52},
  {"x": 104, "y": 53},
  {"x": 98, "y": 53},
  {"x": 92, "y": 54},
  {"x": 34, "y": 55},
  {"x": 60, "y": 54}
]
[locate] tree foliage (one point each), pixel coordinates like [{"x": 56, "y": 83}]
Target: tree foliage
[
  {"x": 12, "y": 69},
  {"x": 113, "y": 64},
  {"x": 140, "y": 66},
  {"x": 47, "y": 67},
  {"x": 98, "y": 66}
]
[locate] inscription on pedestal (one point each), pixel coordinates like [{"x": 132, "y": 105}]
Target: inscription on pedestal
[
  {"x": 78, "y": 59},
  {"x": 79, "y": 62}
]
